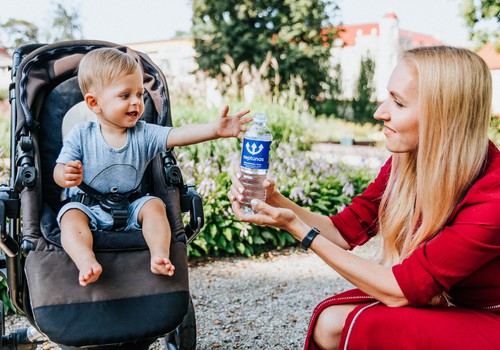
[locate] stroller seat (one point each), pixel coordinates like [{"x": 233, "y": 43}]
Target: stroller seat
[{"x": 128, "y": 303}]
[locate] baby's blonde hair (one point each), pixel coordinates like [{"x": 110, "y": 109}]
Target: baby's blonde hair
[{"x": 100, "y": 66}]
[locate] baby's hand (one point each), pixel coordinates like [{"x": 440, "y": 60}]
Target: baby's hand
[
  {"x": 73, "y": 173},
  {"x": 232, "y": 125}
]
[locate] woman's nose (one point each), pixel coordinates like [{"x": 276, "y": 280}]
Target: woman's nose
[{"x": 381, "y": 113}]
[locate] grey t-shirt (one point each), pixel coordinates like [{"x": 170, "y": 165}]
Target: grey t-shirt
[{"x": 106, "y": 168}]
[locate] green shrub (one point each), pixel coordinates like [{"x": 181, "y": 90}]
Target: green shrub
[
  {"x": 494, "y": 133},
  {"x": 8, "y": 306}
]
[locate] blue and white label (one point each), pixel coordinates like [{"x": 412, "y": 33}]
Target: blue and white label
[{"x": 255, "y": 154}]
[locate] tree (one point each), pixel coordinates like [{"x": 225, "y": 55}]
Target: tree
[
  {"x": 65, "y": 24},
  {"x": 16, "y": 32},
  {"x": 364, "y": 101},
  {"x": 293, "y": 31},
  {"x": 483, "y": 20}
]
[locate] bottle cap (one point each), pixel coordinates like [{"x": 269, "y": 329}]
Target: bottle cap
[{"x": 260, "y": 117}]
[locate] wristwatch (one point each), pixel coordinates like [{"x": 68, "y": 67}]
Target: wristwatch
[{"x": 306, "y": 242}]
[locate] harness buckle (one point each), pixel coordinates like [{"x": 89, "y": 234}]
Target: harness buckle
[{"x": 117, "y": 205}]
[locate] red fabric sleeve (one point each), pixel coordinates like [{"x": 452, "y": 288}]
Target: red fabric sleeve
[
  {"x": 358, "y": 222},
  {"x": 464, "y": 254}
]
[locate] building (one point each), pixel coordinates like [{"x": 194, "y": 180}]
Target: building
[
  {"x": 175, "y": 57},
  {"x": 492, "y": 59},
  {"x": 382, "y": 42}
]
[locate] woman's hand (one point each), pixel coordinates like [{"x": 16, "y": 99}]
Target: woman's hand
[
  {"x": 266, "y": 215},
  {"x": 236, "y": 191}
]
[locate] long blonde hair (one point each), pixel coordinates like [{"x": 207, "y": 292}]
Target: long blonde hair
[{"x": 454, "y": 100}]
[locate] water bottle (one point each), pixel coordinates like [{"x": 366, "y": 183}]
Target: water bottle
[{"x": 255, "y": 161}]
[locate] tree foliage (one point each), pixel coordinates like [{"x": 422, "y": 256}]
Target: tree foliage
[
  {"x": 483, "y": 20},
  {"x": 16, "y": 32},
  {"x": 364, "y": 101},
  {"x": 246, "y": 30},
  {"x": 65, "y": 24}
]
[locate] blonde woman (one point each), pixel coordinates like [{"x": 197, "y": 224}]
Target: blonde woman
[{"x": 436, "y": 203}]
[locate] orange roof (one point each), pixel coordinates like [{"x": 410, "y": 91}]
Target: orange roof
[
  {"x": 419, "y": 39},
  {"x": 490, "y": 56},
  {"x": 348, "y": 34},
  {"x": 4, "y": 52}
]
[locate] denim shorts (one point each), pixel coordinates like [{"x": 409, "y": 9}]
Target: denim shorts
[{"x": 100, "y": 219}]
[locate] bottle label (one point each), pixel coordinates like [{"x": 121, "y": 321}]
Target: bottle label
[{"x": 255, "y": 154}]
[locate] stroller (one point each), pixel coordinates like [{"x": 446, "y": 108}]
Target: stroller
[{"x": 129, "y": 307}]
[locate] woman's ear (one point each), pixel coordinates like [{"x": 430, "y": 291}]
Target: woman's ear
[{"x": 91, "y": 102}]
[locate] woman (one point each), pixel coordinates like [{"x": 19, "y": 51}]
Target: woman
[{"x": 436, "y": 203}]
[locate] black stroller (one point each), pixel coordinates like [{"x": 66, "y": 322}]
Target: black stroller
[{"x": 130, "y": 307}]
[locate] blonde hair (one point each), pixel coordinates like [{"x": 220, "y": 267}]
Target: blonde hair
[
  {"x": 101, "y": 66},
  {"x": 425, "y": 186}
]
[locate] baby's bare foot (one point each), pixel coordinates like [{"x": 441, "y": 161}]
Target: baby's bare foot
[
  {"x": 90, "y": 273},
  {"x": 162, "y": 266}
]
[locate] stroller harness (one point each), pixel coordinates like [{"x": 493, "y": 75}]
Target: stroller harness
[{"x": 113, "y": 202}]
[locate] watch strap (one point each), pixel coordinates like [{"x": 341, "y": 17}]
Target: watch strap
[{"x": 308, "y": 238}]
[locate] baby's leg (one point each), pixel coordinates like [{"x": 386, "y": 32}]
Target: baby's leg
[
  {"x": 156, "y": 230},
  {"x": 77, "y": 240}
]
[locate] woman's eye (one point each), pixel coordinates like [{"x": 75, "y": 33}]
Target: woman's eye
[
  {"x": 398, "y": 104},
  {"x": 125, "y": 96}
]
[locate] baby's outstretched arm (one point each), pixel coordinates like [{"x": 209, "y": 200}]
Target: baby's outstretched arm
[
  {"x": 225, "y": 126},
  {"x": 69, "y": 174}
]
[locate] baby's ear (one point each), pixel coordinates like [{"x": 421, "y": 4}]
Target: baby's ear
[{"x": 91, "y": 102}]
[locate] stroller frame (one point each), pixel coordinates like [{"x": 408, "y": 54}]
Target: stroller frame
[{"x": 24, "y": 176}]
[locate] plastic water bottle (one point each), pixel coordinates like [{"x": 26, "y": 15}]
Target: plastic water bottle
[{"x": 255, "y": 161}]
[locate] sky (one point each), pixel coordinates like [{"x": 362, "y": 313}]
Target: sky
[{"x": 132, "y": 21}]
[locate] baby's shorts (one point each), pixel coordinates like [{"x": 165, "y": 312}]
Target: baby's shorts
[{"x": 99, "y": 219}]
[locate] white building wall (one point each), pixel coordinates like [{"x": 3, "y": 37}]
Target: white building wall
[
  {"x": 383, "y": 45},
  {"x": 495, "y": 75},
  {"x": 387, "y": 55}
]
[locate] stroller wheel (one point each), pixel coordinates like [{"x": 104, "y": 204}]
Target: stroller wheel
[{"x": 184, "y": 336}]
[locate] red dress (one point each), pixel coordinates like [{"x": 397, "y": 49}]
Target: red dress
[{"x": 463, "y": 260}]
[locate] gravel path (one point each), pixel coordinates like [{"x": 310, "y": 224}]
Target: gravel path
[
  {"x": 262, "y": 303},
  {"x": 255, "y": 303}
]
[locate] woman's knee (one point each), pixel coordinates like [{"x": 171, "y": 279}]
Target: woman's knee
[{"x": 329, "y": 325}]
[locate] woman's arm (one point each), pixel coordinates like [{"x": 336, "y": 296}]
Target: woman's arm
[
  {"x": 372, "y": 278},
  {"x": 276, "y": 199},
  {"x": 321, "y": 222}
]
